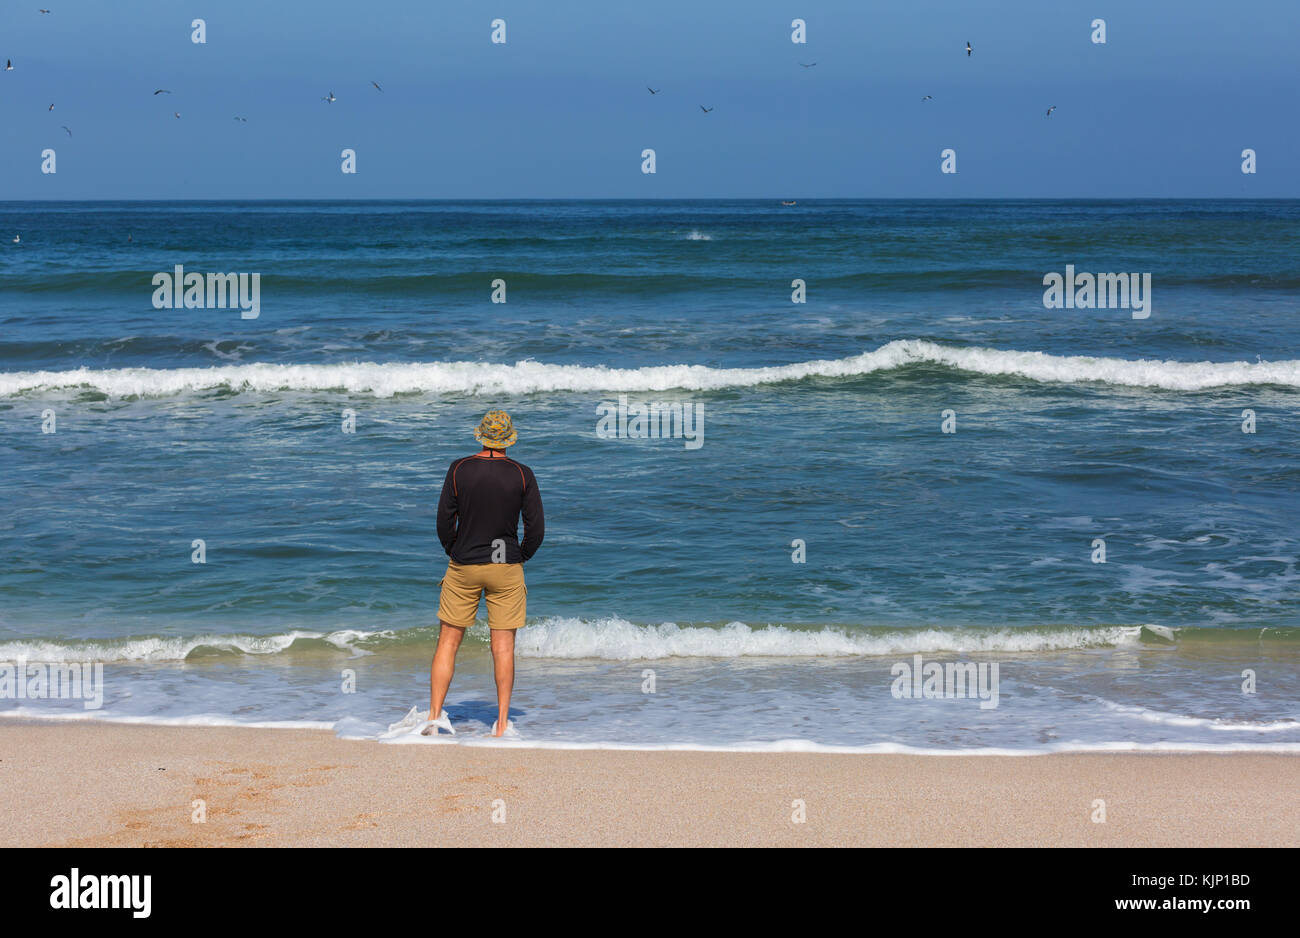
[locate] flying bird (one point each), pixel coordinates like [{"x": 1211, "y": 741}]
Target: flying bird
[
  {"x": 9, "y": 65},
  {"x": 968, "y": 50},
  {"x": 176, "y": 114},
  {"x": 329, "y": 99},
  {"x": 242, "y": 119},
  {"x": 42, "y": 11},
  {"x": 1050, "y": 110},
  {"x": 928, "y": 97},
  {"x": 376, "y": 84},
  {"x": 809, "y": 65},
  {"x": 653, "y": 90},
  {"x": 65, "y": 127},
  {"x": 50, "y": 108},
  {"x": 161, "y": 91},
  {"x": 705, "y": 109}
]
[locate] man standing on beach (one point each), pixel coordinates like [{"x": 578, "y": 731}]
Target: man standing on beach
[{"x": 478, "y": 524}]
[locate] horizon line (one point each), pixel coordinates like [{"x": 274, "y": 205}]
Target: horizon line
[{"x": 992, "y": 198}]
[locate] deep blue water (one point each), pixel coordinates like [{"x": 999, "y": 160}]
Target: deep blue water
[{"x": 822, "y": 423}]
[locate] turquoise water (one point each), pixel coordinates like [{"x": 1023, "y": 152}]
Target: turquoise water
[{"x": 822, "y": 424}]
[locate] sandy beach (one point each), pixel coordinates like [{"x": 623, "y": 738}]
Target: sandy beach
[{"x": 80, "y": 784}]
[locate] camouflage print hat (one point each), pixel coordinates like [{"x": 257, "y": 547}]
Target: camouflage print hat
[{"x": 496, "y": 431}]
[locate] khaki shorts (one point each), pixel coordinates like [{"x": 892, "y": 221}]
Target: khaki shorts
[{"x": 503, "y": 583}]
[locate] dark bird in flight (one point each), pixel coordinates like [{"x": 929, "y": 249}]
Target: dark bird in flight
[
  {"x": 376, "y": 84},
  {"x": 176, "y": 114},
  {"x": 705, "y": 109},
  {"x": 809, "y": 65},
  {"x": 65, "y": 127},
  {"x": 50, "y": 108},
  {"x": 1050, "y": 110},
  {"x": 161, "y": 91},
  {"x": 968, "y": 50},
  {"x": 928, "y": 97},
  {"x": 9, "y": 65},
  {"x": 42, "y": 11},
  {"x": 653, "y": 90},
  {"x": 329, "y": 98},
  {"x": 242, "y": 119}
]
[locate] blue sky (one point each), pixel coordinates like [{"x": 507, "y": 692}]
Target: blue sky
[{"x": 1163, "y": 109}]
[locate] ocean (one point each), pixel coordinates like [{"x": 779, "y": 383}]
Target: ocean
[{"x": 1087, "y": 518}]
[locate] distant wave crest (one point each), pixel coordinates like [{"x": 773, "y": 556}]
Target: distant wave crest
[{"x": 529, "y": 377}]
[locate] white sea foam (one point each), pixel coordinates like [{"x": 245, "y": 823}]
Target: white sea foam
[
  {"x": 803, "y": 745},
  {"x": 1213, "y": 723},
  {"x": 776, "y": 745},
  {"x": 612, "y": 639},
  {"x": 619, "y": 640},
  {"x": 165, "y": 648},
  {"x": 528, "y": 377},
  {"x": 196, "y": 719}
]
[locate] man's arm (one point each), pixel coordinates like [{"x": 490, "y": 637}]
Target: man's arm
[
  {"x": 447, "y": 511},
  {"x": 534, "y": 521}
]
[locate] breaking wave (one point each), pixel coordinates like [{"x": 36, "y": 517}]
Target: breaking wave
[
  {"x": 611, "y": 639},
  {"x": 529, "y": 377}
]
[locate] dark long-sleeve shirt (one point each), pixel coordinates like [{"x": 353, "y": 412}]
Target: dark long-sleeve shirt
[{"x": 482, "y": 499}]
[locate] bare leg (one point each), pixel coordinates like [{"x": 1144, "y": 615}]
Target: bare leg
[
  {"x": 503, "y": 666},
  {"x": 443, "y": 666}
]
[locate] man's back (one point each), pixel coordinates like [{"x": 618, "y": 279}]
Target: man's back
[
  {"x": 481, "y": 502},
  {"x": 478, "y": 524}
]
